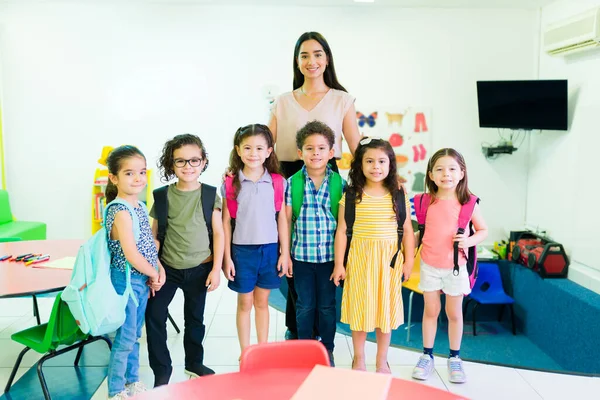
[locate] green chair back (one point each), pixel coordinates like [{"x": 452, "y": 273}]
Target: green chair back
[
  {"x": 9, "y": 239},
  {"x": 61, "y": 329},
  {"x": 5, "y": 211}
]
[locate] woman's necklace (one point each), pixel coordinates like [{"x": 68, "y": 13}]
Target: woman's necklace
[{"x": 317, "y": 94}]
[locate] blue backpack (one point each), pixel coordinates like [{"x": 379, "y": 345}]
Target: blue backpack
[{"x": 91, "y": 296}]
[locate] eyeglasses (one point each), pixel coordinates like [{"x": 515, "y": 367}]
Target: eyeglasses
[{"x": 194, "y": 162}]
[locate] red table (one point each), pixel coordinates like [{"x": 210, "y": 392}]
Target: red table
[
  {"x": 17, "y": 280},
  {"x": 273, "y": 384}
]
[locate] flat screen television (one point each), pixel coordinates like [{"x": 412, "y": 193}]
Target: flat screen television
[{"x": 539, "y": 104}]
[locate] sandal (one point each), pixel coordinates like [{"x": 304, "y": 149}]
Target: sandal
[
  {"x": 384, "y": 370},
  {"x": 363, "y": 368}
]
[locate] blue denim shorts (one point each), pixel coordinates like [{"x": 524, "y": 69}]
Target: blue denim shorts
[{"x": 255, "y": 266}]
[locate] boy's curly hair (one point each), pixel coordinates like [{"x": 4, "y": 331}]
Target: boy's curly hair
[
  {"x": 315, "y": 128},
  {"x": 166, "y": 162}
]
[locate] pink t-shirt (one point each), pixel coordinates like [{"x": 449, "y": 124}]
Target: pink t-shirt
[{"x": 441, "y": 225}]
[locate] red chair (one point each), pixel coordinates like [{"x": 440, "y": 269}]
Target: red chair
[{"x": 288, "y": 354}]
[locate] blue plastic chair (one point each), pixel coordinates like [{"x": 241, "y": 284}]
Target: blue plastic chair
[{"x": 488, "y": 290}]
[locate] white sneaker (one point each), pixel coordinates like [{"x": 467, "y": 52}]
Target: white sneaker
[
  {"x": 120, "y": 396},
  {"x": 424, "y": 367},
  {"x": 135, "y": 388},
  {"x": 456, "y": 373}
]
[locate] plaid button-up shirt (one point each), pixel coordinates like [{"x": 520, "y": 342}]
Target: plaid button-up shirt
[{"x": 314, "y": 231}]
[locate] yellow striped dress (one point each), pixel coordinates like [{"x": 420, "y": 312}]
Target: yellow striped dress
[{"x": 372, "y": 295}]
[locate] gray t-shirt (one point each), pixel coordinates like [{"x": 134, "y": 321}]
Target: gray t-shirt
[
  {"x": 186, "y": 241},
  {"x": 255, "y": 222}
]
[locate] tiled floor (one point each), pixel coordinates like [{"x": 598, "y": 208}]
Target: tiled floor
[{"x": 222, "y": 352}]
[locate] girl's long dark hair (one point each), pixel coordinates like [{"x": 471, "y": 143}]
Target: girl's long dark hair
[
  {"x": 462, "y": 189},
  {"x": 356, "y": 176},
  {"x": 166, "y": 163},
  {"x": 235, "y": 162},
  {"x": 114, "y": 161},
  {"x": 329, "y": 75}
]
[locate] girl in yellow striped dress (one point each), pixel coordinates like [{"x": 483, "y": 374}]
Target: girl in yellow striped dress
[{"x": 372, "y": 298}]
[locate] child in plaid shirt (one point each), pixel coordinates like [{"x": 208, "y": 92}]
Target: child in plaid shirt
[{"x": 313, "y": 233}]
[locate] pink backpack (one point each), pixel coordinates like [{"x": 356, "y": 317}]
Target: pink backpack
[
  {"x": 232, "y": 204},
  {"x": 422, "y": 202}
]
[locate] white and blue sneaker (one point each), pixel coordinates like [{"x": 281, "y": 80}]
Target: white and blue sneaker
[
  {"x": 456, "y": 373},
  {"x": 424, "y": 368}
]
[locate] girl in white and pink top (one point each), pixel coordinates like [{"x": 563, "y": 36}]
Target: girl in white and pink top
[{"x": 447, "y": 184}]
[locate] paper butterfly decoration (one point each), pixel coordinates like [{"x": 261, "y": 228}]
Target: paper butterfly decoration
[{"x": 362, "y": 119}]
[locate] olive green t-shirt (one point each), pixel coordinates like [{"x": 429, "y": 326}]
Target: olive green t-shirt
[{"x": 186, "y": 241}]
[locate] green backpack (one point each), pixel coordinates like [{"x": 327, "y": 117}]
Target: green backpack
[{"x": 336, "y": 188}]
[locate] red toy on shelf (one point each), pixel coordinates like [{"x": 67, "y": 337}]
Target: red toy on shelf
[{"x": 548, "y": 258}]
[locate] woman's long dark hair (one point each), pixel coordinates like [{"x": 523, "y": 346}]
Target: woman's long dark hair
[
  {"x": 114, "y": 161},
  {"x": 356, "y": 176},
  {"x": 166, "y": 163},
  {"x": 235, "y": 162},
  {"x": 462, "y": 189},
  {"x": 329, "y": 75}
]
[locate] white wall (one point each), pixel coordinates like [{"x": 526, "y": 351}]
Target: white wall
[
  {"x": 2, "y": 152},
  {"x": 563, "y": 188},
  {"x": 77, "y": 77}
]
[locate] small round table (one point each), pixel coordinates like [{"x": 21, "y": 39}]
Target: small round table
[{"x": 18, "y": 280}]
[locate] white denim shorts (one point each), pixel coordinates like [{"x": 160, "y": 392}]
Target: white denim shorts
[{"x": 433, "y": 279}]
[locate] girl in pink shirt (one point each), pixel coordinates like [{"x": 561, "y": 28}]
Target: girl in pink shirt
[{"x": 447, "y": 183}]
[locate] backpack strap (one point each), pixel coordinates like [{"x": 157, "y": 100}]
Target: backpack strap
[
  {"x": 161, "y": 209},
  {"x": 466, "y": 212},
  {"x": 400, "y": 204},
  {"x": 136, "y": 235},
  {"x": 349, "y": 216},
  {"x": 298, "y": 183},
  {"x": 278, "y": 189},
  {"x": 421, "y": 204},
  {"x": 232, "y": 204},
  {"x": 464, "y": 217},
  {"x": 336, "y": 188},
  {"x": 134, "y": 216},
  {"x": 208, "y": 194},
  {"x": 230, "y": 197}
]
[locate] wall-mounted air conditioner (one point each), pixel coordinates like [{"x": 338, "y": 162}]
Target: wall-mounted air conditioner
[{"x": 581, "y": 32}]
